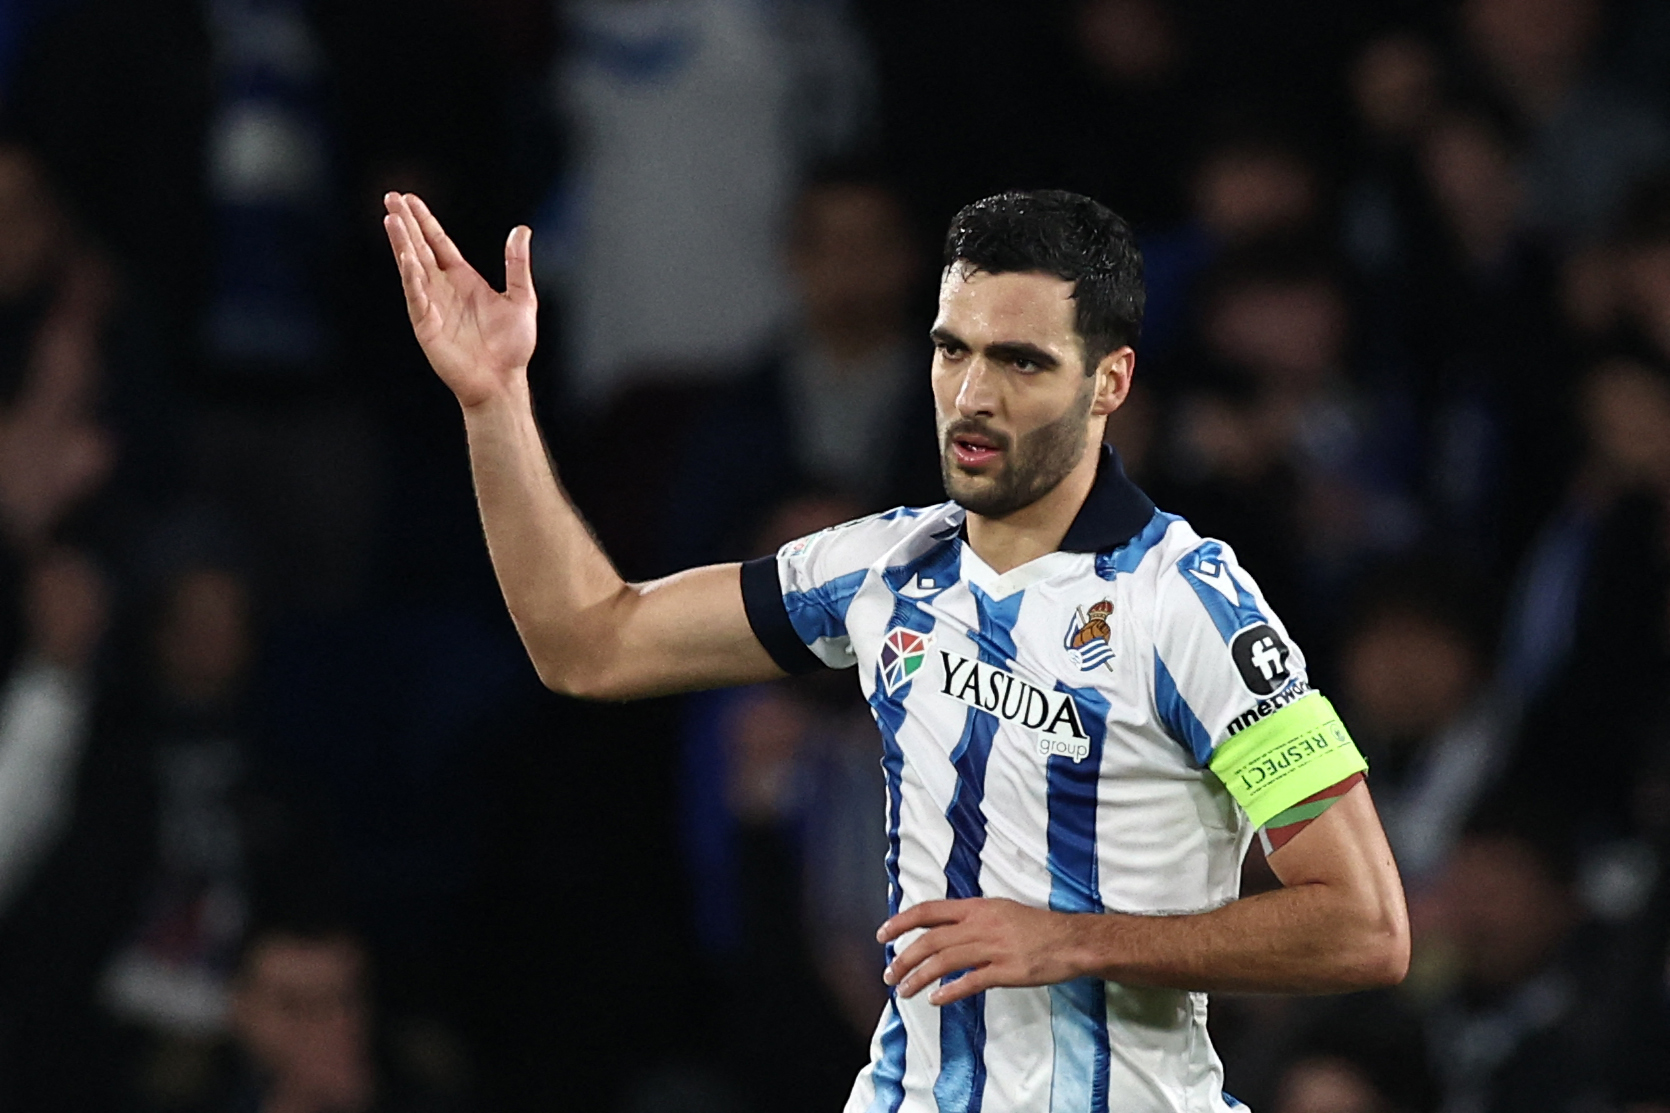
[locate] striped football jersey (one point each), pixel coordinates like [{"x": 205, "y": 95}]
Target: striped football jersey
[{"x": 1046, "y": 735}]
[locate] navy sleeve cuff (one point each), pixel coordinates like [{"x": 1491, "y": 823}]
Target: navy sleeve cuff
[{"x": 762, "y": 598}]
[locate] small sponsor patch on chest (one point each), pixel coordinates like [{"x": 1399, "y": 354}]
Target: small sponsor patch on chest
[{"x": 1053, "y": 717}]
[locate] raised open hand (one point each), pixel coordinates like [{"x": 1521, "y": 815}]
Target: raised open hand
[{"x": 478, "y": 340}]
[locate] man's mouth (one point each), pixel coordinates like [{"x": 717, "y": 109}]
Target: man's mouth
[{"x": 974, "y": 450}]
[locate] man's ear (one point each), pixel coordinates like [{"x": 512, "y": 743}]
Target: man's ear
[{"x": 1113, "y": 380}]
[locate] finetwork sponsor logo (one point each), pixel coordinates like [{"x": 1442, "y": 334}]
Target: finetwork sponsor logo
[
  {"x": 1261, "y": 658},
  {"x": 1054, "y": 715},
  {"x": 1267, "y": 707}
]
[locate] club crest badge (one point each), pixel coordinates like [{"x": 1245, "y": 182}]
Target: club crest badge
[
  {"x": 1089, "y": 636},
  {"x": 902, "y": 653}
]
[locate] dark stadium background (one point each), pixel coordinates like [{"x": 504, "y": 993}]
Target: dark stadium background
[{"x": 1408, "y": 351}]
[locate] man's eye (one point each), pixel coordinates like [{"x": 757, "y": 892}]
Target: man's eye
[{"x": 1025, "y": 365}]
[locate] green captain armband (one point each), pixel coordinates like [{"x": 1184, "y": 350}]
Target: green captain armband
[{"x": 1285, "y": 757}]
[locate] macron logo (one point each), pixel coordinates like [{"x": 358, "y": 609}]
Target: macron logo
[{"x": 1216, "y": 574}]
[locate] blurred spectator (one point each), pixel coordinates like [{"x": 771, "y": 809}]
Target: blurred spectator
[
  {"x": 55, "y": 453},
  {"x": 46, "y": 713},
  {"x": 1325, "y": 1084},
  {"x": 1358, "y": 1054},
  {"x": 693, "y": 122},
  {"x": 1255, "y": 184},
  {"x": 1414, "y": 668},
  {"x": 1518, "y": 1028},
  {"x": 841, "y": 403},
  {"x": 1484, "y": 348},
  {"x": 1394, "y": 84},
  {"x": 1586, "y": 642},
  {"x": 301, "y": 1014},
  {"x": 271, "y": 191},
  {"x": 1277, "y": 447},
  {"x": 121, "y": 951},
  {"x": 301, "y": 1017},
  {"x": 268, "y": 329},
  {"x": 782, "y": 783},
  {"x": 1589, "y": 138},
  {"x": 1636, "y": 884},
  {"x": 1135, "y": 108},
  {"x": 230, "y": 183},
  {"x": 1251, "y": 183},
  {"x": 1461, "y": 328},
  {"x": 172, "y": 974},
  {"x": 1622, "y": 289},
  {"x": 184, "y": 133},
  {"x": 1395, "y": 87}
]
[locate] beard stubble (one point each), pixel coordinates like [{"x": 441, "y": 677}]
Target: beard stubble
[{"x": 1035, "y": 463}]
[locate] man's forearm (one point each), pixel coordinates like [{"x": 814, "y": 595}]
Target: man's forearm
[
  {"x": 1339, "y": 924},
  {"x": 556, "y": 581},
  {"x": 1309, "y": 938}
]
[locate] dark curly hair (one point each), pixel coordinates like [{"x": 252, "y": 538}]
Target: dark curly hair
[{"x": 1067, "y": 235}]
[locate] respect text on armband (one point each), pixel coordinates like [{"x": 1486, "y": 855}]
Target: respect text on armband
[
  {"x": 1291, "y": 753},
  {"x": 1298, "y": 752},
  {"x": 1269, "y": 706}
]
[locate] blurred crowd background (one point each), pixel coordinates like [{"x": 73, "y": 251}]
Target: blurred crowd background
[{"x": 286, "y": 822}]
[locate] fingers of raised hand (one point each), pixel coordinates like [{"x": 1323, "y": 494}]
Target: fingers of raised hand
[
  {"x": 416, "y": 285},
  {"x": 446, "y": 252},
  {"x": 399, "y": 206},
  {"x": 395, "y": 228},
  {"x": 518, "y": 268},
  {"x": 412, "y": 277}
]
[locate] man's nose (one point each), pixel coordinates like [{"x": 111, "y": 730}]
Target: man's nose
[{"x": 978, "y": 395}]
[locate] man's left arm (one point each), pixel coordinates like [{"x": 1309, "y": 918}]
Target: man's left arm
[{"x": 1337, "y": 924}]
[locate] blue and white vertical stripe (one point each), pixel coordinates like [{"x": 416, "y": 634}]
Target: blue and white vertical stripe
[{"x": 980, "y": 803}]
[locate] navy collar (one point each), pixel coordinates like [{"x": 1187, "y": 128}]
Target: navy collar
[{"x": 1115, "y": 511}]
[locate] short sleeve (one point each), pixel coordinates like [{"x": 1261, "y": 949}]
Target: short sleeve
[
  {"x": 1225, "y": 669},
  {"x": 797, "y": 600},
  {"x": 1219, "y": 652}
]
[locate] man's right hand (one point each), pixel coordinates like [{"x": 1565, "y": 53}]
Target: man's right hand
[
  {"x": 589, "y": 633},
  {"x": 478, "y": 340}
]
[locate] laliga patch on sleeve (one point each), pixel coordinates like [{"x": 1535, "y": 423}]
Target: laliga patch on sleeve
[{"x": 1283, "y": 758}]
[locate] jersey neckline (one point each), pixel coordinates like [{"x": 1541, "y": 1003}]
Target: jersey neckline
[{"x": 1114, "y": 511}]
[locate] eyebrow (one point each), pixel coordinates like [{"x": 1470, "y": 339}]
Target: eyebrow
[
  {"x": 1006, "y": 350},
  {"x": 1012, "y": 350}
]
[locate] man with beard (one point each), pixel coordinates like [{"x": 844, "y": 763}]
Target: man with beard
[{"x": 1065, "y": 827}]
